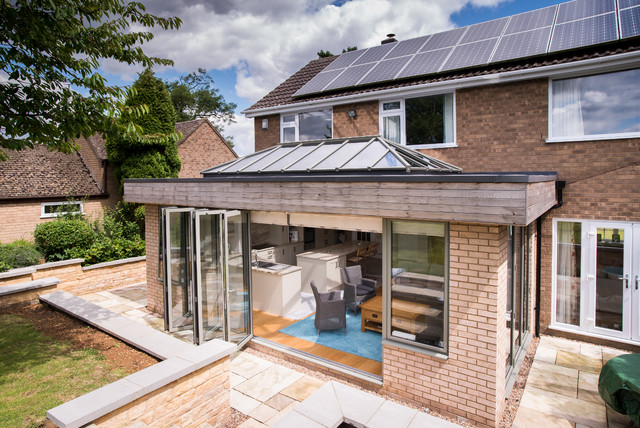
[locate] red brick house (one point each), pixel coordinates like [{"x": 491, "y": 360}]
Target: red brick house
[
  {"x": 34, "y": 183},
  {"x": 538, "y": 233}
]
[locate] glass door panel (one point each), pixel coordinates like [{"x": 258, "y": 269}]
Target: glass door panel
[
  {"x": 178, "y": 290},
  {"x": 239, "y": 306},
  {"x": 210, "y": 276},
  {"x": 635, "y": 284},
  {"x": 611, "y": 277}
]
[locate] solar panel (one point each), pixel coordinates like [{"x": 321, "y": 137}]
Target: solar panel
[
  {"x": 623, "y": 4},
  {"x": 584, "y": 32},
  {"x": 374, "y": 54},
  {"x": 344, "y": 60},
  {"x": 485, "y": 30},
  {"x": 318, "y": 83},
  {"x": 578, "y": 9},
  {"x": 470, "y": 54},
  {"x": 531, "y": 20},
  {"x": 522, "y": 45},
  {"x": 350, "y": 77},
  {"x": 444, "y": 40},
  {"x": 407, "y": 47},
  {"x": 385, "y": 70},
  {"x": 426, "y": 62},
  {"x": 630, "y": 22}
]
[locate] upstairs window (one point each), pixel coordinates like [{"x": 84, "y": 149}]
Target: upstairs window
[
  {"x": 312, "y": 125},
  {"x": 599, "y": 106},
  {"x": 419, "y": 122}
]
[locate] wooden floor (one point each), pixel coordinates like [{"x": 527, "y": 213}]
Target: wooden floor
[{"x": 266, "y": 326}]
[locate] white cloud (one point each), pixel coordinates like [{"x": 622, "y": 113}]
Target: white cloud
[
  {"x": 267, "y": 41},
  {"x": 242, "y": 133}
]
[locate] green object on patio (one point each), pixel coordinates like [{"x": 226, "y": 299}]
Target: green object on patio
[{"x": 619, "y": 385}]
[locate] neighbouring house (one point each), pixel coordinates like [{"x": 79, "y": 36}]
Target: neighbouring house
[
  {"x": 487, "y": 178},
  {"x": 35, "y": 183}
]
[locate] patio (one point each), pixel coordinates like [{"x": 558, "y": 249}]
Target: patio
[{"x": 561, "y": 390}]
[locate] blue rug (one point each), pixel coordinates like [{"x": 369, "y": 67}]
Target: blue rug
[{"x": 365, "y": 344}]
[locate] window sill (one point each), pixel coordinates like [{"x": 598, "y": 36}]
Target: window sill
[
  {"x": 581, "y": 138},
  {"x": 432, "y": 146},
  {"x": 418, "y": 349}
]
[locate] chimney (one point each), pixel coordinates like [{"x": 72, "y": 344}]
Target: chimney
[{"x": 390, "y": 39}]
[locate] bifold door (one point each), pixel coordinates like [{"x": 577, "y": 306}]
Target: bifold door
[{"x": 206, "y": 281}]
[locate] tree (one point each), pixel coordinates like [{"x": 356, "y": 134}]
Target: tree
[
  {"x": 325, "y": 54},
  {"x": 50, "y": 52},
  {"x": 154, "y": 155},
  {"x": 195, "y": 97}
]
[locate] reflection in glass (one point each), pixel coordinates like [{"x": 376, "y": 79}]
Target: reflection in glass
[
  {"x": 418, "y": 298},
  {"x": 429, "y": 120},
  {"x": 211, "y": 279},
  {"x": 239, "y": 316},
  {"x": 391, "y": 128},
  {"x": 315, "y": 125},
  {"x": 609, "y": 284},
  {"x": 181, "y": 300},
  {"x": 568, "y": 276}
]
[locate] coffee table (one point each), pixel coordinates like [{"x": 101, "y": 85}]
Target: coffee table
[{"x": 371, "y": 315}]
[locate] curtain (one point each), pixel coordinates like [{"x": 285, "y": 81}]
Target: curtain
[
  {"x": 391, "y": 128},
  {"x": 568, "y": 274},
  {"x": 567, "y": 109}
]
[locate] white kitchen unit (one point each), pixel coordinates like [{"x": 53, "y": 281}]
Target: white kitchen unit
[
  {"x": 322, "y": 266},
  {"x": 276, "y": 292}
]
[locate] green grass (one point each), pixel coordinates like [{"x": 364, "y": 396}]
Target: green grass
[{"x": 38, "y": 373}]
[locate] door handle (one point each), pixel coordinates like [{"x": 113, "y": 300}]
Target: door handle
[
  {"x": 637, "y": 280},
  {"x": 625, "y": 280}
]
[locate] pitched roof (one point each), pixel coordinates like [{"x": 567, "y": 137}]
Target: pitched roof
[
  {"x": 40, "y": 173},
  {"x": 364, "y": 155},
  {"x": 283, "y": 94},
  {"x": 188, "y": 127},
  {"x": 97, "y": 143}
]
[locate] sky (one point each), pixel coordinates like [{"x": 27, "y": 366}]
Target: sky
[{"x": 251, "y": 46}]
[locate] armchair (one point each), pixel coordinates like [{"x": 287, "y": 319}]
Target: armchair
[
  {"x": 357, "y": 289},
  {"x": 331, "y": 312}
]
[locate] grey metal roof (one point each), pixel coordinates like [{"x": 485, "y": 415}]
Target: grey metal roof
[{"x": 342, "y": 155}]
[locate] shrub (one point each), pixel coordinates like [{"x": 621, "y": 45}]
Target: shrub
[
  {"x": 63, "y": 238},
  {"x": 108, "y": 249},
  {"x": 18, "y": 254}
]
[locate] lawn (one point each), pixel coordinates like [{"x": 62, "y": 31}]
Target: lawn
[{"x": 41, "y": 369}]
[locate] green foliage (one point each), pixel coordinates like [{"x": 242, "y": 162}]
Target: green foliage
[
  {"x": 64, "y": 238},
  {"x": 18, "y": 254},
  {"x": 324, "y": 54},
  {"x": 194, "y": 96},
  {"x": 155, "y": 154},
  {"x": 349, "y": 49},
  {"x": 108, "y": 249},
  {"x": 51, "y": 51}
]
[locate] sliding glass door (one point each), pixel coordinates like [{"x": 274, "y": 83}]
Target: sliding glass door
[{"x": 206, "y": 284}]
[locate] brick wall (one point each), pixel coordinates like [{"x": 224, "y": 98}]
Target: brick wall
[
  {"x": 203, "y": 149},
  {"x": 19, "y": 219},
  {"x": 471, "y": 382},
  {"x": 79, "y": 280},
  {"x": 366, "y": 122},
  {"x": 265, "y": 138},
  {"x": 155, "y": 294},
  {"x": 197, "y": 399}
]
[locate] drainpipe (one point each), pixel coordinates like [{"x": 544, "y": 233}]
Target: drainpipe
[
  {"x": 538, "y": 275},
  {"x": 104, "y": 176},
  {"x": 560, "y": 185}
]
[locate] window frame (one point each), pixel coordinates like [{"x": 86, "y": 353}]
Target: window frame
[
  {"x": 296, "y": 122},
  {"x": 578, "y": 138},
  {"x": 403, "y": 118},
  {"x": 386, "y": 294},
  {"x": 54, "y": 214}
]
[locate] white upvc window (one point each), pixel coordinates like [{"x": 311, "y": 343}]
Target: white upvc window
[
  {"x": 419, "y": 121},
  {"x": 306, "y": 126},
  {"x": 595, "y": 107},
  {"x": 56, "y": 209}
]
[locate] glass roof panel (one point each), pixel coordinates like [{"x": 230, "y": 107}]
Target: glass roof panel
[
  {"x": 271, "y": 157},
  {"x": 339, "y": 157},
  {"x": 289, "y": 158},
  {"x": 313, "y": 158},
  {"x": 367, "y": 157},
  {"x": 244, "y": 162},
  {"x": 389, "y": 161}
]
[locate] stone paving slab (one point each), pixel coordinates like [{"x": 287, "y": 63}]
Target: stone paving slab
[{"x": 146, "y": 338}]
